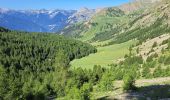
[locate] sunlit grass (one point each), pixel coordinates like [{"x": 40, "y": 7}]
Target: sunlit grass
[{"x": 105, "y": 55}]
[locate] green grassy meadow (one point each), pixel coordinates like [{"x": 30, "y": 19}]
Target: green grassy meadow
[{"x": 105, "y": 55}]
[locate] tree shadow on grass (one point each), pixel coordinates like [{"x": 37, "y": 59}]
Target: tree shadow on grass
[{"x": 154, "y": 92}]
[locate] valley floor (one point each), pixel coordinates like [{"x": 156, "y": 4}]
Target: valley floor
[{"x": 157, "y": 88}]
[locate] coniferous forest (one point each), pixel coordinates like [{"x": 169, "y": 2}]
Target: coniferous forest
[
  {"x": 113, "y": 53},
  {"x": 35, "y": 65}
]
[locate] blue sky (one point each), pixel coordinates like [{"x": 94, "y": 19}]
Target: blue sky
[{"x": 58, "y": 4}]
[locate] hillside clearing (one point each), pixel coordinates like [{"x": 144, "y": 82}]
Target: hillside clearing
[{"x": 105, "y": 55}]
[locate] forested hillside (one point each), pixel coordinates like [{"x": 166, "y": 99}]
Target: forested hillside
[
  {"x": 132, "y": 48},
  {"x": 34, "y": 65},
  {"x": 118, "y": 26}
]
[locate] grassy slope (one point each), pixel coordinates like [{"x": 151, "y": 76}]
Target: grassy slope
[
  {"x": 105, "y": 55},
  {"x": 104, "y": 21}
]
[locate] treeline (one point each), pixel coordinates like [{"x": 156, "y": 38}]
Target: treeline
[
  {"x": 108, "y": 34},
  {"x": 35, "y": 65}
]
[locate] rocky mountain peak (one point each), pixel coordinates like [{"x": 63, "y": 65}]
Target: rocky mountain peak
[
  {"x": 4, "y": 10},
  {"x": 42, "y": 20}
]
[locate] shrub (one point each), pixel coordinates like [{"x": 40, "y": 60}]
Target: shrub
[
  {"x": 151, "y": 57},
  {"x": 157, "y": 72},
  {"x": 80, "y": 94},
  {"x": 146, "y": 72},
  {"x": 126, "y": 56},
  {"x": 106, "y": 83},
  {"x": 133, "y": 60},
  {"x": 154, "y": 44},
  {"x": 151, "y": 64},
  {"x": 167, "y": 61},
  {"x": 137, "y": 50},
  {"x": 161, "y": 59},
  {"x": 129, "y": 82},
  {"x": 74, "y": 93},
  {"x": 165, "y": 41},
  {"x": 85, "y": 91}
]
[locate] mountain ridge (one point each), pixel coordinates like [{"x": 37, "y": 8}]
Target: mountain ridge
[
  {"x": 42, "y": 20},
  {"x": 104, "y": 25}
]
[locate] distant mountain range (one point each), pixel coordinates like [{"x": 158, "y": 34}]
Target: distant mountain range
[
  {"x": 42, "y": 20},
  {"x": 57, "y": 20}
]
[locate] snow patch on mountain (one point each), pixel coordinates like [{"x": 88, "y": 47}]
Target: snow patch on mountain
[
  {"x": 51, "y": 27},
  {"x": 42, "y": 20}
]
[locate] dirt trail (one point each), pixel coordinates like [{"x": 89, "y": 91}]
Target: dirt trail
[
  {"x": 148, "y": 89},
  {"x": 143, "y": 82}
]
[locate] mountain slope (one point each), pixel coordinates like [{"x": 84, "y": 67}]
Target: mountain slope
[
  {"x": 134, "y": 5},
  {"x": 104, "y": 23},
  {"x": 151, "y": 23},
  {"x": 118, "y": 26}
]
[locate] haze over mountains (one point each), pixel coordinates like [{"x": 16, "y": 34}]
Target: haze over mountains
[{"x": 42, "y": 20}]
